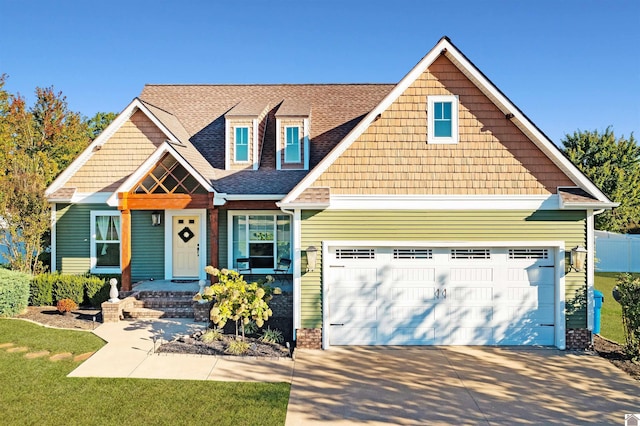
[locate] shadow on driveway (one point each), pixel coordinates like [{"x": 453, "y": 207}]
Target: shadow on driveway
[{"x": 458, "y": 385}]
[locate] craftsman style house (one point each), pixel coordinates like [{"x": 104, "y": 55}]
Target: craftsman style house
[{"x": 431, "y": 211}]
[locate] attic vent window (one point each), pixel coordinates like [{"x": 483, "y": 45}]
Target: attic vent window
[
  {"x": 471, "y": 254},
  {"x": 442, "y": 113},
  {"x": 412, "y": 254},
  {"x": 528, "y": 253},
  {"x": 355, "y": 253}
]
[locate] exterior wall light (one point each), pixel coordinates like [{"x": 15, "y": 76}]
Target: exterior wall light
[
  {"x": 312, "y": 255},
  {"x": 578, "y": 258},
  {"x": 156, "y": 218}
]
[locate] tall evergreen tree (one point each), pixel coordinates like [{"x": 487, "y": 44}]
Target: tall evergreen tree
[{"x": 613, "y": 164}]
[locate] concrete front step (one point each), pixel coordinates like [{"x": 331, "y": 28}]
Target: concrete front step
[
  {"x": 142, "y": 313},
  {"x": 172, "y": 304}
]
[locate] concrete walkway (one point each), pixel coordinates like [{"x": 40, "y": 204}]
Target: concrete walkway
[
  {"x": 129, "y": 352},
  {"x": 457, "y": 385}
]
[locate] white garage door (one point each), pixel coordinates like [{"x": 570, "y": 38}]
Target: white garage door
[{"x": 440, "y": 296}]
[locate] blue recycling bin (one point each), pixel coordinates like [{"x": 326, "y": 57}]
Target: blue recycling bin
[{"x": 598, "y": 299}]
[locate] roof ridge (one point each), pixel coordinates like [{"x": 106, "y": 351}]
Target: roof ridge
[{"x": 265, "y": 84}]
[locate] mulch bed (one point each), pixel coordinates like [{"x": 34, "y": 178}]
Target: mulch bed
[
  {"x": 615, "y": 354},
  {"x": 83, "y": 319},
  {"x": 192, "y": 345},
  {"x": 79, "y": 319}
]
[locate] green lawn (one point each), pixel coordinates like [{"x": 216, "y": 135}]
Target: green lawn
[
  {"x": 611, "y": 314},
  {"x": 37, "y": 391}
]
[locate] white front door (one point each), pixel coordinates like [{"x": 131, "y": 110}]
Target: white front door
[{"x": 186, "y": 246}]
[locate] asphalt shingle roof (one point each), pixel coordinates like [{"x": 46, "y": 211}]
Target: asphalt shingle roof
[{"x": 200, "y": 111}]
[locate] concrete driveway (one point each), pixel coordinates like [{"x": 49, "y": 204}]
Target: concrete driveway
[{"x": 457, "y": 385}]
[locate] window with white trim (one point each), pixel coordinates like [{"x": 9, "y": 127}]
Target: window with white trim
[
  {"x": 263, "y": 237},
  {"x": 241, "y": 144},
  {"x": 442, "y": 112},
  {"x": 105, "y": 241},
  {"x": 292, "y": 144}
]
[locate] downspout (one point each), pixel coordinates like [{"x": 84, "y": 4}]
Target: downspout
[
  {"x": 296, "y": 250},
  {"x": 591, "y": 256}
]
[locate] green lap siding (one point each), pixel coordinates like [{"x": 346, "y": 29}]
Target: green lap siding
[
  {"x": 73, "y": 237},
  {"x": 404, "y": 225},
  {"x": 147, "y": 247}
]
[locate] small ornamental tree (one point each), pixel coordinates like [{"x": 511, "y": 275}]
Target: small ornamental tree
[
  {"x": 236, "y": 300},
  {"x": 629, "y": 290}
]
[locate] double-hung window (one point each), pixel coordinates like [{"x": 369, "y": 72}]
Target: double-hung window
[
  {"x": 242, "y": 144},
  {"x": 105, "y": 241},
  {"x": 292, "y": 145},
  {"x": 263, "y": 237},
  {"x": 442, "y": 113}
]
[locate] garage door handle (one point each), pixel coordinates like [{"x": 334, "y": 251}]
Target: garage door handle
[
  {"x": 547, "y": 325},
  {"x": 546, "y": 266},
  {"x": 335, "y": 323}
]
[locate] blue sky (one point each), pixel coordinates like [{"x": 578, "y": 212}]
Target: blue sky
[{"x": 567, "y": 64}]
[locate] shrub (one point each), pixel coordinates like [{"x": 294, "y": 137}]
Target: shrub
[
  {"x": 211, "y": 335},
  {"x": 272, "y": 336},
  {"x": 66, "y": 305},
  {"x": 41, "y": 292},
  {"x": 14, "y": 292},
  {"x": 50, "y": 287},
  {"x": 249, "y": 328},
  {"x": 96, "y": 290},
  {"x": 237, "y": 300},
  {"x": 237, "y": 347},
  {"x": 629, "y": 289},
  {"x": 69, "y": 287}
]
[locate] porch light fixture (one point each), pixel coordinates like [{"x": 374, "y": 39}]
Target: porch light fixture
[
  {"x": 156, "y": 218},
  {"x": 578, "y": 258},
  {"x": 312, "y": 255}
]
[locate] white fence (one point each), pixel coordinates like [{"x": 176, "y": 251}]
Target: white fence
[{"x": 617, "y": 252}]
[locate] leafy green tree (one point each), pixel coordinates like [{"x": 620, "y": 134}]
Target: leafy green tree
[
  {"x": 36, "y": 144},
  {"x": 99, "y": 122},
  {"x": 236, "y": 300},
  {"x": 613, "y": 164}
]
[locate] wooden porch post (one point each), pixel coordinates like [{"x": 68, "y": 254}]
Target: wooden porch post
[
  {"x": 213, "y": 237},
  {"x": 125, "y": 247}
]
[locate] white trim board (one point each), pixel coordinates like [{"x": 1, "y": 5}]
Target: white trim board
[
  {"x": 559, "y": 298},
  {"x": 444, "y": 202}
]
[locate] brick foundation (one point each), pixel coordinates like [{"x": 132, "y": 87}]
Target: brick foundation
[
  {"x": 282, "y": 305},
  {"x": 578, "y": 338},
  {"x": 309, "y": 338},
  {"x": 112, "y": 312},
  {"x": 201, "y": 311}
]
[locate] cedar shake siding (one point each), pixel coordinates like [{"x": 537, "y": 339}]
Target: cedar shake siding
[
  {"x": 492, "y": 156},
  {"x": 123, "y": 153}
]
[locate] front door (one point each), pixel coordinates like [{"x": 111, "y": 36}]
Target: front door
[{"x": 186, "y": 246}]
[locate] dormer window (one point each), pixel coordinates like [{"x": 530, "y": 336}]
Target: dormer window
[
  {"x": 292, "y": 145},
  {"x": 442, "y": 113},
  {"x": 292, "y": 135},
  {"x": 245, "y": 126},
  {"x": 241, "y": 144}
]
